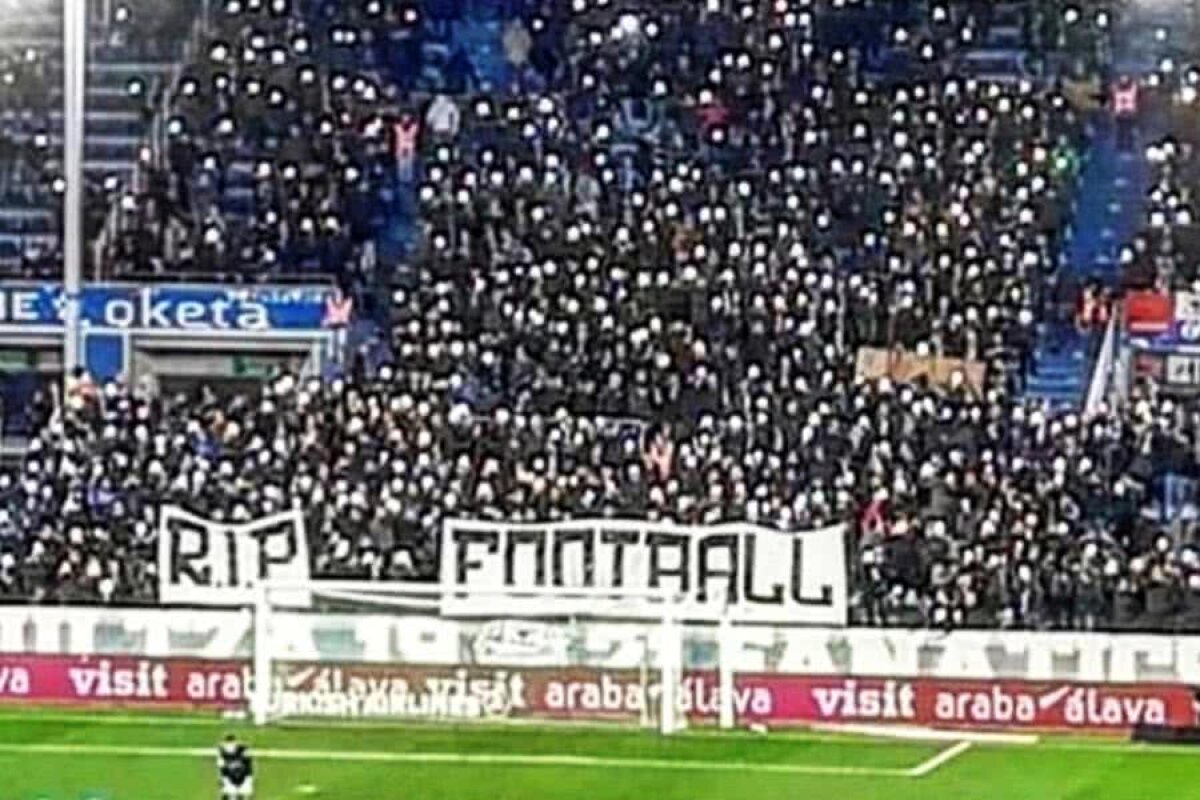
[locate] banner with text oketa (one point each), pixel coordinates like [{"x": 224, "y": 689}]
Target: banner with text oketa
[{"x": 170, "y": 308}]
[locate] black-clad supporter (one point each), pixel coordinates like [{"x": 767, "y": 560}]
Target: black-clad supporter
[
  {"x": 965, "y": 510},
  {"x": 642, "y": 286},
  {"x": 125, "y": 36},
  {"x": 277, "y": 158}
]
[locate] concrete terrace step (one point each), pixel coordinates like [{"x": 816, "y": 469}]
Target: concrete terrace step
[
  {"x": 1058, "y": 371},
  {"x": 1056, "y": 381},
  {"x": 19, "y": 239},
  {"x": 109, "y": 127},
  {"x": 1061, "y": 402},
  {"x": 102, "y": 115},
  {"x": 110, "y": 140},
  {"x": 1056, "y": 377},
  {"x": 100, "y": 166},
  {"x": 1049, "y": 375},
  {"x": 1059, "y": 352},
  {"x": 1060, "y": 337},
  {"x": 123, "y": 70},
  {"x": 1040, "y": 384},
  {"x": 99, "y": 128},
  {"x": 132, "y": 68},
  {"x": 19, "y": 227},
  {"x": 26, "y": 213},
  {"x": 107, "y": 100},
  {"x": 14, "y": 40},
  {"x": 1056, "y": 363},
  {"x": 109, "y": 166}
]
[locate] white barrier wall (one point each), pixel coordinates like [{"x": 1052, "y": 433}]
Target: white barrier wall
[{"x": 406, "y": 639}]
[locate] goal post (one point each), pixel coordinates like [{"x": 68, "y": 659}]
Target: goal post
[
  {"x": 370, "y": 650},
  {"x": 726, "y": 647},
  {"x": 260, "y": 697},
  {"x": 671, "y": 718}
]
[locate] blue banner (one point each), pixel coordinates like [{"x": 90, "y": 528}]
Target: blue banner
[{"x": 171, "y": 308}]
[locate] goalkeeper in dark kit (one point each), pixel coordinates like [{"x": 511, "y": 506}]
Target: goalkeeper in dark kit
[{"x": 235, "y": 770}]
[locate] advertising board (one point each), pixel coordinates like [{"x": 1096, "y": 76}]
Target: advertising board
[
  {"x": 117, "y": 320},
  {"x": 418, "y": 638},
  {"x": 358, "y": 691},
  {"x": 170, "y": 308},
  {"x": 455, "y": 692},
  {"x": 123, "y": 680},
  {"x": 1182, "y": 372}
]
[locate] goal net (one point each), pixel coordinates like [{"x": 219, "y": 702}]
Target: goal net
[{"x": 349, "y": 650}]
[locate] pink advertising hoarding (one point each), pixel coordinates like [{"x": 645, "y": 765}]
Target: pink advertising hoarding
[
  {"x": 358, "y": 690},
  {"x": 363, "y": 691},
  {"x": 968, "y": 704},
  {"x": 800, "y": 700},
  {"x": 122, "y": 680}
]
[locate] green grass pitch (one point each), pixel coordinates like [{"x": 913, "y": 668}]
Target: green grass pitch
[{"x": 51, "y": 755}]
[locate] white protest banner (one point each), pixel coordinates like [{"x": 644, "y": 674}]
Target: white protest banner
[
  {"x": 210, "y": 563},
  {"x": 745, "y": 572}
]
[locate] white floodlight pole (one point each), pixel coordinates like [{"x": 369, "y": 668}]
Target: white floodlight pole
[{"x": 75, "y": 18}]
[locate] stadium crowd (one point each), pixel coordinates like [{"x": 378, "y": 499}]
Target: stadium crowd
[
  {"x": 646, "y": 272},
  {"x": 275, "y": 154},
  {"x": 1161, "y": 255}
]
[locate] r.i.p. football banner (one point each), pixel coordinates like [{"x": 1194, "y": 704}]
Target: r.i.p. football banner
[
  {"x": 211, "y": 563},
  {"x": 743, "y": 572}
]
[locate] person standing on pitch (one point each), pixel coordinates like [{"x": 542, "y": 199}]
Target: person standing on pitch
[{"x": 235, "y": 769}]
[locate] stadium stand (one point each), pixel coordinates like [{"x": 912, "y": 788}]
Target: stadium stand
[
  {"x": 635, "y": 260},
  {"x": 131, "y": 58},
  {"x": 274, "y": 151}
]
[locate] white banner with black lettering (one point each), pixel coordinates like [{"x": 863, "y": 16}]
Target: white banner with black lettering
[
  {"x": 746, "y": 572},
  {"x": 210, "y": 563}
]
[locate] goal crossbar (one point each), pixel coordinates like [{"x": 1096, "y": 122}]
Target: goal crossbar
[
  {"x": 570, "y": 601},
  {"x": 415, "y": 589}
]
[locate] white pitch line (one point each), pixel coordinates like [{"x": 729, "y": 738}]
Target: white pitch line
[
  {"x": 928, "y": 766},
  {"x": 916, "y": 733},
  {"x": 878, "y": 736},
  {"x": 106, "y": 718},
  {"x": 502, "y": 759}
]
